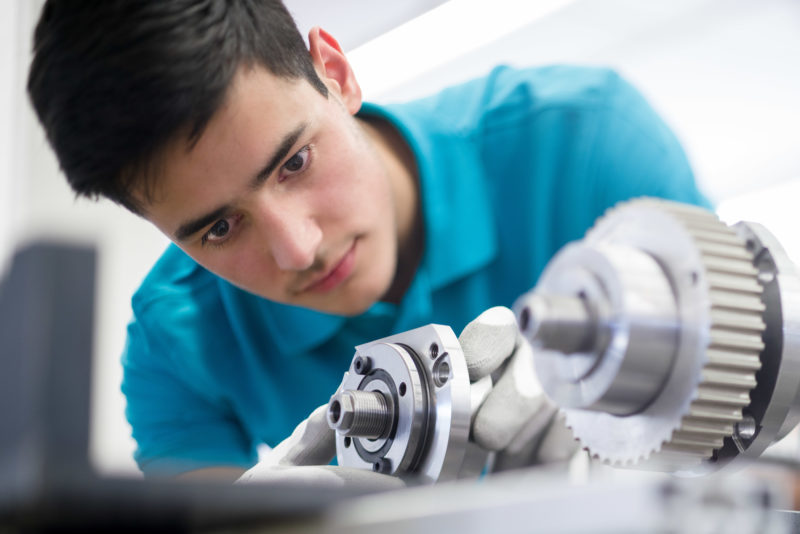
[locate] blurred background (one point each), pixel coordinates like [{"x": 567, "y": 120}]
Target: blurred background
[{"x": 725, "y": 74}]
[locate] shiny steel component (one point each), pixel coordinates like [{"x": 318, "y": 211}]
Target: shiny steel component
[
  {"x": 366, "y": 414},
  {"x": 669, "y": 339},
  {"x": 543, "y": 501},
  {"x": 403, "y": 408}
]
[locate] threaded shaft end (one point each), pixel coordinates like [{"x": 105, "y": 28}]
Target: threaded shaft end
[{"x": 358, "y": 413}]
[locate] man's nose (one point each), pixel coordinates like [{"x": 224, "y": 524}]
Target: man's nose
[{"x": 293, "y": 238}]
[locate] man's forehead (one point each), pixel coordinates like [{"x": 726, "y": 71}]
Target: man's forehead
[
  {"x": 254, "y": 94},
  {"x": 244, "y": 142}
]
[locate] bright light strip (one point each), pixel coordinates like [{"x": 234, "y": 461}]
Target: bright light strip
[{"x": 441, "y": 35}]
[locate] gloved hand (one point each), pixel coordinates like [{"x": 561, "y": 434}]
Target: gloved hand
[
  {"x": 515, "y": 420},
  {"x": 303, "y": 458}
]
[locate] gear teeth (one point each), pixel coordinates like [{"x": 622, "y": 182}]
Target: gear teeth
[
  {"x": 721, "y": 395},
  {"x": 693, "y": 439},
  {"x": 734, "y": 340},
  {"x": 726, "y": 377},
  {"x": 735, "y": 337},
  {"x": 705, "y": 427},
  {"x": 724, "y": 265}
]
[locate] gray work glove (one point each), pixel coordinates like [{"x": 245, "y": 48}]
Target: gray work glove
[
  {"x": 515, "y": 420},
  {"x": 303, "y": 458}
]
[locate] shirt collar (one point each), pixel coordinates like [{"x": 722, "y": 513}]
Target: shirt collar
[{"x": 459, "y": 230}]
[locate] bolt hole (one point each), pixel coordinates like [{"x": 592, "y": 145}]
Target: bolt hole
[
  {"x": 362, "y": 365},
  {"x": 444, "y": 372},
  {"x": 433, "y": 351},
  {"x": 402, "y": 389},
  {"x": 335, "y": 411},
  {"x": 441, "y": 373},
  {"x": 347, "y": 441},
  {"x": 750, "y": 245},
  {"x": 382, "y": 465},
  {"x": 694, "y": 277},
  {"x": 524, "y": 318}
]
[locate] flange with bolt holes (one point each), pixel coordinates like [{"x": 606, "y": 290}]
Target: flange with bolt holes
[{"x": 403, "y": 408}]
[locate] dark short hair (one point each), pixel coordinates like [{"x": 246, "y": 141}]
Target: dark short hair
[{"x": 113, "y": 81}]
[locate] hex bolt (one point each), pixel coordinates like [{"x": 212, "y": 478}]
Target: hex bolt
[
  {"x": 382, "y": 465},
  {"x": 767, "y": 270},
  {"x": 362, "y": 364},
  {"x": 746, "y": 428},
  {"x": 356, "y": 413}
]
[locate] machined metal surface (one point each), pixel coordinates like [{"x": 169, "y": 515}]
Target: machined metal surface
[
  {"x": 366, "y": 414},
  {"x": 404, "y": 407},
  {"x": 669, "y": 340},
  {"x": 689, "y": 318},
  {"x": 773, "y": 410},
  {"x": 625, "y": 350},
  {"x": 526, "y": 501}
]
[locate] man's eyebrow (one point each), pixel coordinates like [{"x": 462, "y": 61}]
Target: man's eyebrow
[
  {"x": 283, "y": 149},
  {"x": 188, "y": 229}
]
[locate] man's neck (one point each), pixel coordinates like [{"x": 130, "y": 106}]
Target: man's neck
[{"x": 401, "y": 168}]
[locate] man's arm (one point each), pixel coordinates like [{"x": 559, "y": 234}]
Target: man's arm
[{"x": 177, "y": 429}]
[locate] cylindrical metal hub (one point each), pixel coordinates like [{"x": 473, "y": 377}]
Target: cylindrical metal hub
[
  {"x": 365, "y": 414},
  {"x": 558, "y": 322},
  {"x": 604, "y": 323},
  {"x": 699, "y": 366}
]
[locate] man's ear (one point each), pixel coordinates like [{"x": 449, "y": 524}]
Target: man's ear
[{"x": 333, "y": 67}]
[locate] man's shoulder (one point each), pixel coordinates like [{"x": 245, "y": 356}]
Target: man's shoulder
[
  {"x": 508, "y": 91},
  {"x": 178, "y": 309},
  {"x": 174, "y": 276},
  {"x": 569, "y": 87}
]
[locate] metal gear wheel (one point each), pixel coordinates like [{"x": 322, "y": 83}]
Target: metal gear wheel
[
  {"x": 735, "y": 331},
  {"x": 664, "y": 308}
]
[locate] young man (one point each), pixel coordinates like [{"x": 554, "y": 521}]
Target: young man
[{"x": 304, "y": 221}]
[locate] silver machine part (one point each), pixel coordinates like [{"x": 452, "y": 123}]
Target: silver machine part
[
  {"x": 525, "y": 501},
  {"x": 404, "y": 408},
  {"x": 669, "y": 339}
]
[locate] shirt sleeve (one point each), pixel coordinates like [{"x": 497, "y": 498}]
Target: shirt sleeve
[{"x": 178, "y": 421}]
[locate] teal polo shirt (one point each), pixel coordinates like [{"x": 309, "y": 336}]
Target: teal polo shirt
[{"x": 511, "y": 166}]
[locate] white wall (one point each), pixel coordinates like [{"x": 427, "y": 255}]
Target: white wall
[
  {"x": 37, "y": 202},
  {"x": 725, "y": 74},
  {"x": 9, "y": 97},
  {"x": 354, "y": 22}
]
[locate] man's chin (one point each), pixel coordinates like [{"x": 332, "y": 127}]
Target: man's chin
[
  {"x": 350, "y": 306},
  {"x": 351, "y": 309},
  {"x": 346, "y": 303}
]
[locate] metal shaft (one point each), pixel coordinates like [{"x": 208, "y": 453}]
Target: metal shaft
[
  {"x": 356, "y": 413},
  {"x": 559, "y": 323}
]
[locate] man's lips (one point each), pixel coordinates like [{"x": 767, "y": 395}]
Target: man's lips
[{"x": 336, "y": 275}]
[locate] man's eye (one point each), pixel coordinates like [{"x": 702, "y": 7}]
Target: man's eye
[
  {"x": 296, "y": 163},
  {"x": 220, "y": 229},
  {"x": 219, "y": 232}
]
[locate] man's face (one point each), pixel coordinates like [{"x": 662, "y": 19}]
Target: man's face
[{"x": 284, "y": 196}]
